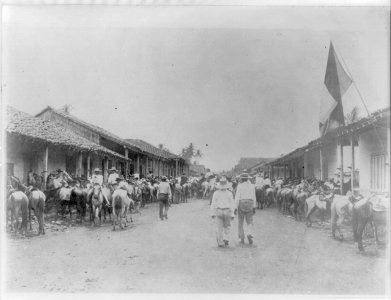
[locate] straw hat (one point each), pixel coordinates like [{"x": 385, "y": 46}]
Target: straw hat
[
  {"x": 223, "y": 183},
  {"x": 245, "y": 176},
  {"x": 97, "y": 170},
  {"x": 113, "y": 169}
]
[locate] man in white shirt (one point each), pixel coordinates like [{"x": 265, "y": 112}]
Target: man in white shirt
[
  {"x": 164, "y": 195},
  {"x": 222, "y": 210},
  {"x": 245, "y": 203},
  {"x": 96, "y": 178},
  {"x": 267, "y": 183},
  {"x": 259, "y": 181},
  {"x": 113, "y": 176}
]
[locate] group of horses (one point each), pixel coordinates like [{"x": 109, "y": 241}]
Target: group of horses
[
  {"x": 302, "y": 198},
  {"x": 67, "y": 192}
]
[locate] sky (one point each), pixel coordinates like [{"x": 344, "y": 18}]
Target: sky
[{"x": 237, "y": 81}]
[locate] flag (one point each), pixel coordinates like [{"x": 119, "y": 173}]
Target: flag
[{"x": 336, "y": 82}]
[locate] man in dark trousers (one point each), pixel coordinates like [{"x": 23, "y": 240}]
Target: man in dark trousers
[
  {"x": 183, "y": 179},
  {"x": 164, "y": 195}
]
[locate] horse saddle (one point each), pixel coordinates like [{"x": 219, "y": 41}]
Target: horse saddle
[
  {"x": 326, "y": 197},
  {"x": 380, "y": 204}
]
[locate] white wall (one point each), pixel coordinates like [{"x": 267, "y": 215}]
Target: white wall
[{"x": 369, "y": 144}]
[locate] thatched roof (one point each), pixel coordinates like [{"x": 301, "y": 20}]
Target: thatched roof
[{"x": 37, "y": 129}]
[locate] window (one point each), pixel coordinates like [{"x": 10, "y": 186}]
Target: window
[{"x": 378, "y": 172}]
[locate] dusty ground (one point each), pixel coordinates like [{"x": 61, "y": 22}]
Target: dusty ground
[{"x": 180, "y": 255}]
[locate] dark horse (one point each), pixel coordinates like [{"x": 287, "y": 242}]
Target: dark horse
[{"x": 366, "y": 211}]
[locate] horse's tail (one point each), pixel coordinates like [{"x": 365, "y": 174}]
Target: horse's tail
[
  {"x": 355, "y": 223},
  {"x": 24, "y": 209},
  {"x": 118, "y": 204}
]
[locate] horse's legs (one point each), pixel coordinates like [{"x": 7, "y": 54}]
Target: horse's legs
[
  {"x": 360, "y": 229},
  {"x": 308, "y": 216},
  {"x": 31, "y": 228},
  {"x": 374, "y": 228}
]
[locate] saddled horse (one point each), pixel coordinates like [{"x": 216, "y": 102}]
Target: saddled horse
[
  {"x": 121, "y": 205},
  {"x": 34, "y": 180},
  {"x": 373, "y": 210},
  {"x": 17, "y": 201},
  {"x": 146, "y": 194},
  {"x": 341, "y": 207},
  {"x": 178, "y": 193},
  {"x": 78, "y": 197},
  {"x": 37, "y": 203},
  {"x": 315, "y": 202},
  {"x": 206, "y": 189},
  {"x": 96, "y": 204}
]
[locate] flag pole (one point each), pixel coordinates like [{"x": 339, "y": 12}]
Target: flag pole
[{"x": 359, "y": 93}]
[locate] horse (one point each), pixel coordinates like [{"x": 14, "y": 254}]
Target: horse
[
  {"x": 340, "y": 208},
  {"x": 18, "y": 202},
  {"x": 368, "y": 211},
  {"x": 186, "y": 191},
  {"x": 178, "y": 193},
  {"x": 121, "y": 205},
  {"x": 315, "y": 202},
  {"x": 78, "y": 197},
  {"x": 206, "y": 189},
  {"x": 259, "y": 196},
  {"x": 34, "y": 180},
  {"x": 269, "y": 194},
  {"x": 106, "y": 205},
  {"x": 37, "y": 203},
  {"x": 97, "y": 199},
  {"x": 300, "y": 201},
  {"x": 145, "y": 194}
]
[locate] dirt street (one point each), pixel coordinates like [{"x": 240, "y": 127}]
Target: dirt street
[{"x": 180, "y": 255}]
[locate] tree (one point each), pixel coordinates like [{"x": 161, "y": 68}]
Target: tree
[
  {"x": 353, "y": 116},
  {"x": 189, "y": 152}
]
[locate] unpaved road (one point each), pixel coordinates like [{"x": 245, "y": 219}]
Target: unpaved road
[{"x": 180, "y": 256}]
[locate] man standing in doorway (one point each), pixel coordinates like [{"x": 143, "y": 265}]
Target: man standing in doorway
[{"x": 245, "y": 206}]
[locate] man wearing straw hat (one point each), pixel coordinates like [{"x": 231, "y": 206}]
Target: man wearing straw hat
[
  {"x": 96, "y": 178},
  {"x": 245, "y": 203},
  {"x": 222, "y": 210}
]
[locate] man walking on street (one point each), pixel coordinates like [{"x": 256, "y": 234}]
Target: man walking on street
[
  {"x": 222, "y": 210},
  {"x": 245, "y": 204},
  {"x": 164, "y": 196}
]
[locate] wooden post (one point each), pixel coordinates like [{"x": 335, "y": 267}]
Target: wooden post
[
  {"x": 292, "y": 173},
  {"x": 341, "y": 165},
  {"x": 45, "y": 165},
  {"x": 388, "y": 161},
  {"x": 126, "y": 162},
  {"x": 146, "y": 166},
  {"x": 79, "y": 166},
  {"x": 176, "y": 168},
  {"x": 158, "y": 167},
  {"x": 353, "y": 165},
  {"x": 321, "y": 162},
  {"x": 138, "y": 165},
  {"x": 305, "y": 173},
  {"x": 88, "y": 164},
  {"x": 105, "y": 169}
]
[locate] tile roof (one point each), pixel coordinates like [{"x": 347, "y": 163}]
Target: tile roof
[
  {"x": 147, "y": 147},
  {"x": 377, "y": 117},
  {"x": 34, "y": 128},
  {"x": 99, "y": 130}
]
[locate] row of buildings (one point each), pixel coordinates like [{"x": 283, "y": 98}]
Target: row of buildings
[
  {"x": 358, "y": 152},
  {"x": 55, "y": 139}
]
